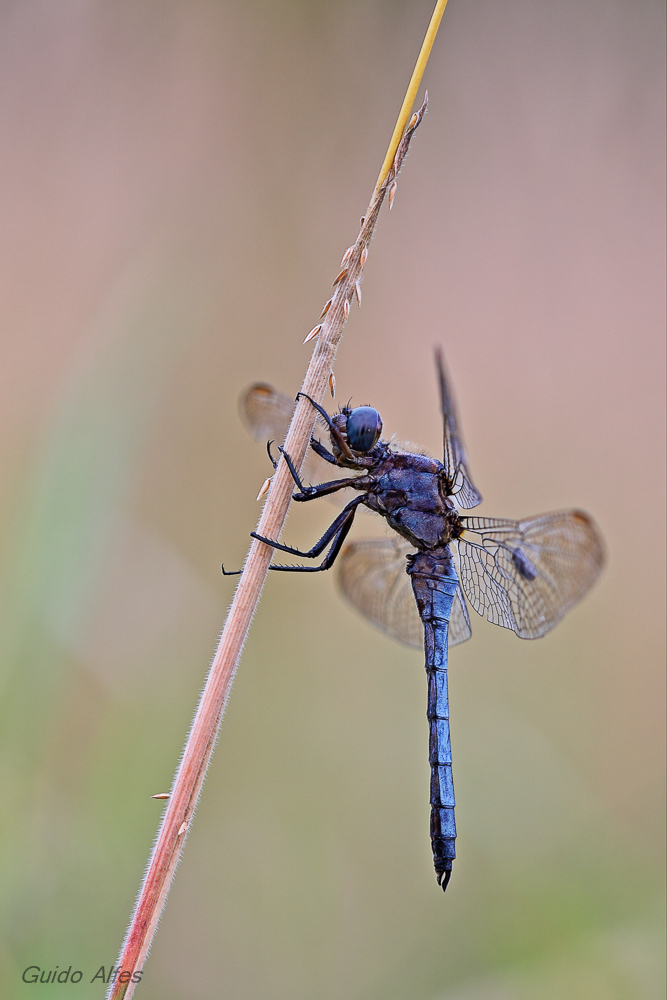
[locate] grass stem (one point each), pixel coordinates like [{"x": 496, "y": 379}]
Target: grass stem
[{"x": 411, "y": 92}]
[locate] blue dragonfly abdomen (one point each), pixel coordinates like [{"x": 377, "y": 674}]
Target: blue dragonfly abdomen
[{"x": 435, "y": 584}]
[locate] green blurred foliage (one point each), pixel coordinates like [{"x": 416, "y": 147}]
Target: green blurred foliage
[{"x": 180, "y": 182}]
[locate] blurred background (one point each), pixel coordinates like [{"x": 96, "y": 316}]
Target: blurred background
[{"x": 179, "y": 182}]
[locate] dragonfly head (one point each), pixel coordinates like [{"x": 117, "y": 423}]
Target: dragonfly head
[{"x": 363, "y": 427}]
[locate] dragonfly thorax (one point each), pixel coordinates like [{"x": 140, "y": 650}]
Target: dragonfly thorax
[{"x": 409, "y": 490}]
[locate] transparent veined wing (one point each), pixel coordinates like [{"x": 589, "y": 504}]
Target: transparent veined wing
[
  {"x": 525, "y": 575},
  {"x": 459, "y": 623},
  {"x": 372, "y": 576},
  {"x": 267, "y": 414},
  {"x": 461, "y": 487}
]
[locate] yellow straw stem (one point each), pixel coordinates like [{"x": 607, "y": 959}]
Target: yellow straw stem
[{"x": 411, "y": 92}]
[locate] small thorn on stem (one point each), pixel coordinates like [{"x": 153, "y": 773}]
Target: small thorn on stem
[
  {"x": 327, "y": 306},
  {"x": 332, "y": 385},
  {"x": 392, "y": 194},
  {"x": 362, "y": 220},
  {"x": 265, "y": 488},
  {"x": 346, "y": 308},
  {"x": 413, "y": 121},
  {"x": 347, "y": 255},
  {"x": 357, "y": 291},
  {"x": 161, "y": 795},
  {"x": 340, "y": 276},
  {"x": 364, "y": 257},
  {"x": 313, "y": 333},
  {"x": 182, "y": 828}
]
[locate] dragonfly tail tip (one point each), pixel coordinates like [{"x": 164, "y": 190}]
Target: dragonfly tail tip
[{"x": 443, "y": 880}]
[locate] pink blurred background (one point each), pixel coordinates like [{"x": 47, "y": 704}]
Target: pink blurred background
[{"x": 179, "y": 183}]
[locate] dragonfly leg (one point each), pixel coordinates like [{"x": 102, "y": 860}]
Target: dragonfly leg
[
  {"x": 330, "y": 557},
  {"x": 320, "y": 545},
  {"x": 323, "y": 452},
  {"x": 295, "y": 474},
  {"x": 336, "y": 534},
  {"x": 337, "y": 531},
  {"x": 320, "y": 409},
  {"x": 271, "y": 458},
  {"x": 230, "y": 572},
  {"x": 324, "y": 489},
  {"x": 333, "y": 430}
]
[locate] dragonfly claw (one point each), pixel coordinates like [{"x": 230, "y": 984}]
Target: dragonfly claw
[
  {"x": 230, "y": 572},
  {"x": 271, "y": 458}
]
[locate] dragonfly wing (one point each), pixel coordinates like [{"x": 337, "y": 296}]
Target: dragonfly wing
[
  {"x": 372, "y": 576},
  {"x": 459, "y": 623},
  {"x": 461, "y": 487},
  {"x": 267, "y": 414},
  {"x": 525, "y": 575}
]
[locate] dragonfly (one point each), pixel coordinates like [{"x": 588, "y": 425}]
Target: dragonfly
[{"x": 414, "y": 585}]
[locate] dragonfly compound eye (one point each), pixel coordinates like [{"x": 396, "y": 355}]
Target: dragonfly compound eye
[{"x": 364, "y": 427}]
